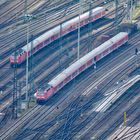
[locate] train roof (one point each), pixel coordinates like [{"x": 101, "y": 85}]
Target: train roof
[
  {"x": 57, "y": 80},
  {"x": 56, "y": 29},
  {"x": 97, "y": 10},
  {"x": 83, "y": 16},
  {"x": 118, "y": 36},
  {"x": 28, "y": 47},
  {"x": 66, "y": 24},
  {"x": 44, "y": 87},
  {"x": 41, "y": 38},
  {"x": 72, "y": 68}
]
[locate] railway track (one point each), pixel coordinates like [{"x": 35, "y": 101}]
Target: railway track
[
  {"x": 16, "y": 9},
  {"x": 5, "y": 47},
  {"x": 51, "y": 61},
  {"x": 43, "y": 116},
  {"x": 73, "y": 125},
  {"x": 126, "y": 132},
  {"x": 40, "y": 26},
  {"x": 65, "y": 43},
  {"x": 98, "y": 127}
]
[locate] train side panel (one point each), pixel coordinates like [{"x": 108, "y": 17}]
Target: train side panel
[{"x": 85, "y": 62}]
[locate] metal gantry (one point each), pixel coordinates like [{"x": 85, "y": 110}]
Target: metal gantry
[
  {"x": 27, "y": 62},
  {"x": 60, "y": 38},
  {"x": 27, "y": 18},
  {"x": 60, "y": 44},
  {"x": 130, "y": 4},
  {"x": 90, "y": 26},
  {"x": 78, "y": 47},
  {"x": 116, "y": 12},
  {"x": 14, "y": 105},
  {"x": 32, "y": 85}
]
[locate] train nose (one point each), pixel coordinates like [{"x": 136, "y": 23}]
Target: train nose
[
  {"x": 11, "y": 59},
  {"x": 14, "y": 60}
]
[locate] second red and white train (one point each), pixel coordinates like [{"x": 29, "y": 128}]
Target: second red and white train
[
  {"x": 79, "y": 66},
  {"x": 54, "y": 34}
]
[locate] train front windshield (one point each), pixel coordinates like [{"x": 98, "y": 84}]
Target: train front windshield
[
  {"x": 40, "y": 92},
  {"x": 17, "y": 52}
]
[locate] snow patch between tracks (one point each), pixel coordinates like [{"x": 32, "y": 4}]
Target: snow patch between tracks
[{"x": 108, "y": 101}]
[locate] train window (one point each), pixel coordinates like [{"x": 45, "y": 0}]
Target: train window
[
  {"x": 86, "y": 20},
  {"x": 105, "y": 52},
  {"x": 111, "y": 48},
  {"x": 55, "y": 89},
  {"x": 60, "y": 85},
  {"x": 114, "y": 46},
  {"x": 98, "y": 57},
  {"x": 82, "y": 67},
  {"x": 89, "y": 62},
  {"x": 64, "y": 31},
  {"x": 103, "y": 12},
  {"x": 46, "y": 41},
  {"x": 29, "y": 53},
  {"x": 125, "y": 39},
  {"x": 34, "y": 50},
  {"x": 74, "y": 74},
  {"x": 38, "y": 46},
  {"x": 41, "y": 45},
  {"x": 54, "y": 36},
  {"x": 67, "y": 79},
  {"x": 97, "y": 16},
  {"x": 81, "y": 23},
  {"x": 93, "y": 17},
  {"x": 119, "y": 42},
  {"x": 71, "y": 28},
  {"x": 95, "y": 59},
  {"x": 75, "y": 25}
]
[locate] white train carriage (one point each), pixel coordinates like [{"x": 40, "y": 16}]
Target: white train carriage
[
  {"x": 54, "y": 34},
  {"x": 79, "y": 66}
]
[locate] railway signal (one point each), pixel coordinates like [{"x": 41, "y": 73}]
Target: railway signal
[{"x": 124, "y": 118}]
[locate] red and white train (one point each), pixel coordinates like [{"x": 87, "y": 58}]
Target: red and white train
[
  {"x": 54, "y": 34},
  {"x": 79, "y": 66}
]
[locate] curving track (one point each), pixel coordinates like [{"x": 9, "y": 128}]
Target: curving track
[
  {"x": 41, "y": 121},
  {"x": 54, "y": 71},
  {"x": 52, "y": 62},
  {"x": 62, "y": 61},
  {"x": 21, "y": 72},
  {"x": 38, "y": 26}
]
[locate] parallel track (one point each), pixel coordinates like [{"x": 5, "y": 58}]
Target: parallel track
[{"x": 48, "y": 113}]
